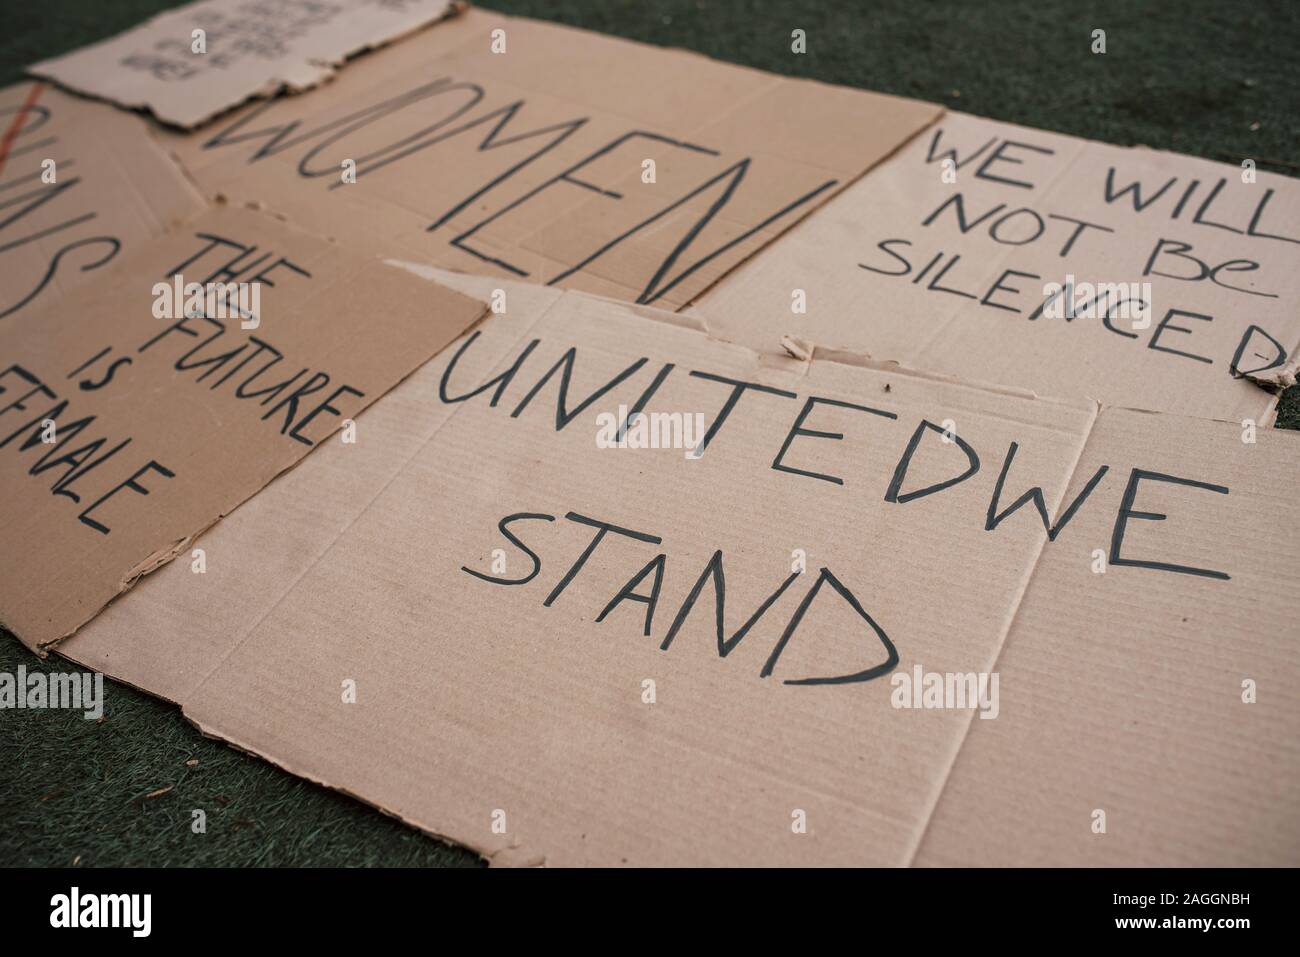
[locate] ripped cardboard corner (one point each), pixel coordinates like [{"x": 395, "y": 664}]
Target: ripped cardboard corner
[
  {"x": 190, "y": 64},
  {"x": 646, "y": 597},
  {"x": 1004, "y": 254},
  {"x": 149, "y": 403},
  {"x": 1276, "y": 379},
  {"x": 81, "y": 185}
]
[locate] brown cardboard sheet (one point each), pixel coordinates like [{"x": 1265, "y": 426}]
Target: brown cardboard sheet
[
  {"x": 569, "y": 158},
  {"x": 956, "y": 255},
  {"x": 132, "y": 418}
]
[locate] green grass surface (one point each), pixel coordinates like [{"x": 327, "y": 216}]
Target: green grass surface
[{"x": 1219, "y": 80}]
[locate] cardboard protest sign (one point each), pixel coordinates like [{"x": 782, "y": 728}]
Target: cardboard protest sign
[
  {"x": 531, "y": 151},
  {"x": 1011, "y": 255},
  {"x": 618, "y": 592},
  {"x": 151, "y": 402},
  {"x": 80, "y": 184},
  {"x": 197, "y": 61}
]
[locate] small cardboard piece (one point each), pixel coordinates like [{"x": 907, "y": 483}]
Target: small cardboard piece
[
  {"x": 190, "y": 64},
  {"x": 81, "y": 184},
  {"x": 940, "y": 259},
  {"x": 131, "y": 420},
  {"x": 526, "y": 705}
]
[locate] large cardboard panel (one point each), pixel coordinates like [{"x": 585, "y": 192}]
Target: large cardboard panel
[
  {"x": 525, "y": 150},
  {"x": 954, "y": 256},
  {"x": 132, "y": 419},
  {"x": 480, "y": 702}
]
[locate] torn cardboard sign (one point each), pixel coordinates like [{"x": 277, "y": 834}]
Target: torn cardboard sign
[
  {"x": 80, "y": 184},
  {"x": 190, "y": 64},
  {"x": 154, "y": 400},
  {"x": 531, "y": 151},
  {"x": 1011, "y": 255},
  {"x": 591, "y": 569}
]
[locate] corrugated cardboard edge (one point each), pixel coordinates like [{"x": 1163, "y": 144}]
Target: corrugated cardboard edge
[{"x": 504, "y": 856}]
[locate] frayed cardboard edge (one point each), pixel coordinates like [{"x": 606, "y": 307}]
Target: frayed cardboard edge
[{"x": 1276, "y": 380}]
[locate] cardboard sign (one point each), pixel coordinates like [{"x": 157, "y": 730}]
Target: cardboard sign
[
  {"x": 618, "y": 592},
  {"x": 80, "y": 185},
  {"x": 1015, "y": 256},
  {"x": 531, "y": 151},
  {"x": 192, "y": 63},
  {"x": 154, "y": 400}
]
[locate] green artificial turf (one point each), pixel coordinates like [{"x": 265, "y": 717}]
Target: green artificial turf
[{"x": 1219, "y": 80}]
